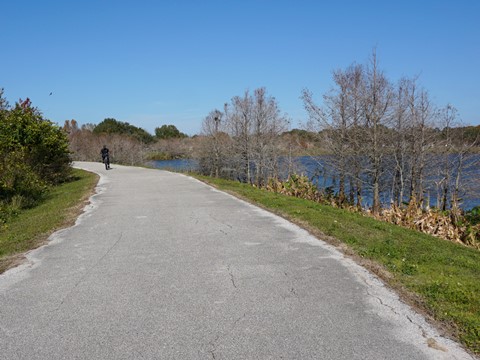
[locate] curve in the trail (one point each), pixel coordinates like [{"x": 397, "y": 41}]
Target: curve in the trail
[{"x": 162, "y": 266}]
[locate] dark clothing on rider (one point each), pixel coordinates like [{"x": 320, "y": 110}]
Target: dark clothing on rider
[{"x": 104, "y": 152}]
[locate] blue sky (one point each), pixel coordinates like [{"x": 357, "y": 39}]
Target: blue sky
[{"x": 171, "y": 62}]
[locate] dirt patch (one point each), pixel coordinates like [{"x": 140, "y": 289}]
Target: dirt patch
[{"x": 11, "y": 261}]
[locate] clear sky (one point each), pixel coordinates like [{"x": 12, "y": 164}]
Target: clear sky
[{"x": 171, "y": 62}]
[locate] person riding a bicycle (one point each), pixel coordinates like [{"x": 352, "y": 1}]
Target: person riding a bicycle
[{"x": 105, "y": 156}]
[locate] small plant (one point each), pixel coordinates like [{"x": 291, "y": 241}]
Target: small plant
[
  {"x": 296, "y": 185},
  {"x": 473, "y": 216}
]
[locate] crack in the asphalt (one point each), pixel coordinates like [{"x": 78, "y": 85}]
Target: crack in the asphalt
[
  {"x": 221, "y": 222},
  {"x": 292, "y": 289},
  {"x": 232, "y": 278},
  {"x": 213, "y": 343},
  {"x": 406, "y": 316},
  {"x": 86, "y": 273}
]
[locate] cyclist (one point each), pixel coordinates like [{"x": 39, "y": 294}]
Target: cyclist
[{"x": 105, "y": 156}]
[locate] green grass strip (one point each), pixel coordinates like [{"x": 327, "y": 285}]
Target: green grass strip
[
  {"x": 441, "y": 278},
  {"x": 31, "y": 227}
]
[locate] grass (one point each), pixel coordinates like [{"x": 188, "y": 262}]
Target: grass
[
  {"x": 439, "y": 278},
  {"x": 31, "y": 227}
]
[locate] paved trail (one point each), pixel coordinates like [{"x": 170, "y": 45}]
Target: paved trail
[{"x": 162, "y": 266}]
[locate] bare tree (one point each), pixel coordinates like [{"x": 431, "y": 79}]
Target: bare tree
[
  {"x": 341, "y": 122},
  {"x": 254, "y": 124},
  {"x": 239, "y": 116},
  {"x": 421, "y": 114},
  {"x": 386, "y": 141},
  {"x": 338, "y": 113},
  {"x": 85, "y": 145},
  {"x": 355, "y": 90},
  {"x": 267, "y": 125},
  {"x": 455, "y": 161},
  {"x": 377, "y": 106},
  {"x": 399, "y": 144},
  {"x": 213, "y": 155}
]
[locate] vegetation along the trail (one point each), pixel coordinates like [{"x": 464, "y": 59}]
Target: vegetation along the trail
[
  {"x": 34, "y": 156},
  {"x": 30, "y": 228},
  {"x": 39, "y": 192}
]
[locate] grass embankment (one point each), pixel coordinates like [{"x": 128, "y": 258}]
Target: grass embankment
[
  {"x": 32, "y": 227},
  {"x": 436, "y": 276}
]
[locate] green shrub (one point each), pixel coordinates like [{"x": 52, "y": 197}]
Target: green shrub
[
  {"x": 18, "y": 178},
  {"x": 473, "y": 216},
  {"x": 33, "y": 154},
  {"x": 112, "y": 126}
]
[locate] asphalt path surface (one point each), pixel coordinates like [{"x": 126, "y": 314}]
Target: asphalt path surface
[{"x": 162, "y": 266}]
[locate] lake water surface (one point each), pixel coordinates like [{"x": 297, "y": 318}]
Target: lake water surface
[{"x": 315, "y": 170}]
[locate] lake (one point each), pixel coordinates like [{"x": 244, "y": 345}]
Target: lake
[
  {"x": 175, "y": 165},
  {"x": 313, "y": 167}
]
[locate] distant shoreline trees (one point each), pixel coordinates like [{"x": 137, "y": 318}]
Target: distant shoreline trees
[
  {"x": 113, "y": 126},
  {"x": 169, "y": 132},
  {"x": 128, "y": 144}
]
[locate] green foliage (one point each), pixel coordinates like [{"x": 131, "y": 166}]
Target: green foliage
[
  {"x": 38, "y": 144},
  {"x": 17, "y": 178},
  {"x": 168, "y": 132},
  {"x": 472, "y": 134},
  {"x": 3, "y": 102},
  {"x": 303, "y": 134},
  {"x": 159, "y": 156},
  {"x": 27, "y": 228},
  {"x": 33, "y": 155},
  {"x": 112, "y": 126},
  {"x": 473, "y": 216},
  {"x": 463, "y": 134}
]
